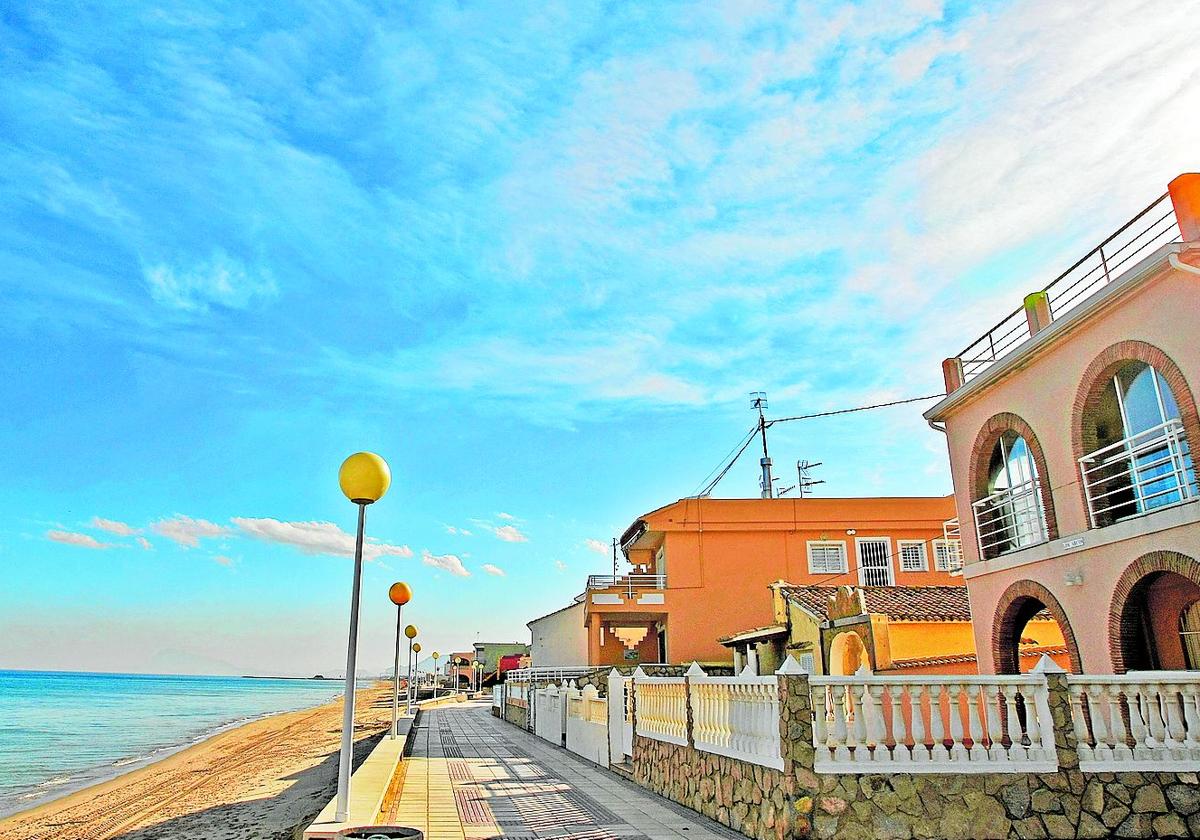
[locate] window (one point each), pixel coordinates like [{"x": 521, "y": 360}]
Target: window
[
  {"x": 1143, "y": 461},
  {"x": 875, "y": 561},
  {"x": 1010, "y": 517},
  {"x": 826, "y": 558},
  {"x": 1189, "y": 636},
  {"x": 912, "y": 556},
  {"x": 947, "y": 555}
]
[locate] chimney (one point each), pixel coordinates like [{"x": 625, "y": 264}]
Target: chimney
[{"x": 1185, "y": 198}]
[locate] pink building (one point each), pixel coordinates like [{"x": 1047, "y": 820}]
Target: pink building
[{"x": 1072, "y": 428}]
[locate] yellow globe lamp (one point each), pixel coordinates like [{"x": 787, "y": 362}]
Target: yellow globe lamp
[
  {"x": 364, "y": 478},
  {"x": 411, "y": 631},
  {"x": 417, "y": 647},
  {"x": 400, "y": 593}
]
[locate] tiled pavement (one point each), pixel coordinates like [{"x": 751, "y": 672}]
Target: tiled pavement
[{"x": 471, "y": 776}]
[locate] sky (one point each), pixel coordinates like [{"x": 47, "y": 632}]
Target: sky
[{"x": 535, "y": 255}]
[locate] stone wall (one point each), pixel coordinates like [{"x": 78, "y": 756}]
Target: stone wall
[{"x": 516, "y": 714}]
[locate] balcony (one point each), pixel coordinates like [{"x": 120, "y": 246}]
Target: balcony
[
  {"x": 1137, "y": 238},
  {"x": 1138, "y": 475},
  {"x": 630, "y": 583},
  {"x": 1010, "y": 520}
]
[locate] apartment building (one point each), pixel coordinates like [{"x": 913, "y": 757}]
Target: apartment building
[{"x": 1071, "y": 428}]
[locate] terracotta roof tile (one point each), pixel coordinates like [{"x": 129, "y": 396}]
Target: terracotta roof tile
[{"x": 898, "y": 603}]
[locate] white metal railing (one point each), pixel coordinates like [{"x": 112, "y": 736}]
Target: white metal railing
[
  {"x": 630, "y": 583},
  {"x": 969, "y": 724},
  {"x": 951, "y": 545},
  {"x": 1152, "y": 228},
  {"x": 551, "y": 674},
  {"x": 1137, "y": 721},
  {"x": 737, "y": 717},
  {"x": 1142, "y": 473},
  {"x": 661, "y": 704},
  {"x": 1010, "y": 519}
]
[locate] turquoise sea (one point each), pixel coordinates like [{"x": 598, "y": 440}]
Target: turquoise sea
[{"x": 60, "y": 731}]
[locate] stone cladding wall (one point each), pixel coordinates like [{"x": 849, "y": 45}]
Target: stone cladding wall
[{"x": 518, "y": 715}]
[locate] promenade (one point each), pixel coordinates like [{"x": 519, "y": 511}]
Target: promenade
[{"x": 471, "y": 776}]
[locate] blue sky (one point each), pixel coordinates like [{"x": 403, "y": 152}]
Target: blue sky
[{"x": 535, "y": 255}]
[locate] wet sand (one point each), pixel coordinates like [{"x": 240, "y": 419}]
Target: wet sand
[{"x": 265, "y": 780}]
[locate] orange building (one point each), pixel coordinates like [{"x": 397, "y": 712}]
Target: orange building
[{"x": 700, "y": 566}]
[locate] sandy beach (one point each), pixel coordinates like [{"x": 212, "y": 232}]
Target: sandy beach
[{"x": 262, "y": 781}]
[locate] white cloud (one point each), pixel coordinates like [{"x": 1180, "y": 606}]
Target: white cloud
[
  {"x": 114, "y": 527},
  {"x": 507, "y": 516},
  {"x": 145, "y": 543},
  {"x": 187, "y": 531},
  {"x": 492, "y": 570},
  {"x": 560, "y": 565},
  {"x": 317, "y": 538},
  {"x": 223, "y": 560},
  {"x": 72, "y": 538},
  {"x": 597, "y": 546},
  {"x": 447, "y": 562},
  {"x": 510, "y": 533},
  {"x": 457, "y": 531},
  {"x": 220, "y": 279}
]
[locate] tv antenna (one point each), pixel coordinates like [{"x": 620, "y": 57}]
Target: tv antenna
[
  {"x": 805, "y": 482},
  {"x": 758, "y": 401}
]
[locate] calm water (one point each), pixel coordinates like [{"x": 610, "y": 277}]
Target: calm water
[{"x": 62, "y": 731}]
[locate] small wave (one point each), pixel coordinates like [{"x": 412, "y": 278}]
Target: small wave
[
  {"x": 55, "y": 782},
  {"x": 121, "y": 762}
]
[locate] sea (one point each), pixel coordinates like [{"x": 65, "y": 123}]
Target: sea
[{"x": 62, "y": 731}]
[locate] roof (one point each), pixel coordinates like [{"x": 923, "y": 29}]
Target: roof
[
  {"x": 898, "y": 603},
  {"x": 556, "y": 612},
  {"x": 969, "y": 657},
  {"x": 750, "y": 635}
]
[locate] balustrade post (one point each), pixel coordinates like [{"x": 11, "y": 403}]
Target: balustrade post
[
  {"x": 795, "y": 718},
  {"x": 694, "y": 671},
  {"x": 1058, "y": 729}
]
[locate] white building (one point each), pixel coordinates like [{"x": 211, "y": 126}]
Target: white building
[{"x": 559, "y": 639}]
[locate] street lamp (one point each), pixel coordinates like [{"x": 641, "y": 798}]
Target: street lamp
[
  {"x": 475, "y": 674},
  {"x": 411, "y": 632},
  {"x": 400, "y": 594},
  {"x": 364, "y": 477},
  {"x": 416, "y": 670},
  {"x": 435, "y": 673}
]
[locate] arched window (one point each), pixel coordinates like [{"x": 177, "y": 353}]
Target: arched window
[
  {"x": 1010, "y": 516},
  {"x": 1143, "y": 461}
]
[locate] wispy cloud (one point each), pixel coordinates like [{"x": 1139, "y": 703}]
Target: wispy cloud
[
  {"x": 187, "y": 531},
  {"x": 510, "y": 533},
  {"x": 597, "y": 546},
  {"x": 506, "y": 516},
  {"x": 114, "y": 527},
  {"x": 457, "y": 531},
  {"x": 492, "y": 570},
  {"x": 317, "y": 538},
  {"x": 73, "y": 538},
  {"x": 223, "y": 560},
  {"x": 145, "y": 543},
  {"x": 446, "y": 562},
  {"x": 560, "y": 565}
]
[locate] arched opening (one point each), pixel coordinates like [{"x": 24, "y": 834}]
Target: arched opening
[
  {"x": 1160, "y": 624},
  {"x": 1028, "y": 623},
  {"x": 1134, "y": 431},
  {"x": 847, "y": 654},
  {"x": 1010, "y": 515}
]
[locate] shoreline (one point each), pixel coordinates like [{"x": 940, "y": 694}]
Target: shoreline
[{"x": 225, "y": 771}]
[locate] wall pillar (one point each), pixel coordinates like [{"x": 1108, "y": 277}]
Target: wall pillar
[
  {"x": 1037, "y": 312},
  {"x": 801, "y": 784},
  {"x": 1185, "y": 198},
  {"x": 952, "y": 373}
]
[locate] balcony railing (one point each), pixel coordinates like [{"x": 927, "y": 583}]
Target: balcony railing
[
  {"x": 1148, "y": 230},
  {"x": 630, "y": 583},
  {"x": 1010, "y": 520},
  {"x": 1140, "y": 474}
]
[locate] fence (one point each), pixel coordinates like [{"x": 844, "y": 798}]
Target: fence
[
  {"x": 1137, "y": 721},
  {"x": 661, "y": 708},
  {"x": 587, "y": 724},
  {"x": 549, "y": 713},
  {"x": 933, "y": 724},
  {"x": 736, "y": 717}
]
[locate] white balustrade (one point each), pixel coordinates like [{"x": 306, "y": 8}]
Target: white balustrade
[
  {"x": 661, "y": 708},
  {"x": 1143, "y": 720},
  {"x": 736, "y": 717},
  {"x": 968, "y": 724}
]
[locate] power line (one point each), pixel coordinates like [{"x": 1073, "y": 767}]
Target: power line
[
  {"x": 857, "y": 408},
  {"x": 737, "y": 447},
  {"x": 763, "y": 425}
]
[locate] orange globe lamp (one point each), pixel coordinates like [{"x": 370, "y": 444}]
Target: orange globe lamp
[{"x": 400, "y": 593}]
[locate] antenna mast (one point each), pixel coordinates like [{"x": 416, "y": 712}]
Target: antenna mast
[
  {"x": 805, "y": 484},
  {"x": 758, "y": 400}
]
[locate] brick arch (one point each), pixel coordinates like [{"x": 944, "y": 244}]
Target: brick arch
[
  {"x": 1015, "y": 606},
  {"x": 981, "y": 454},
  {"x": 1101, "y": 371},
  {"x": 1122, "y": 624}
]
